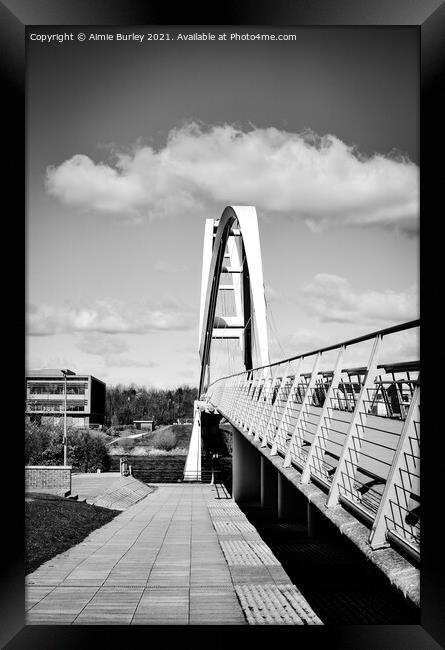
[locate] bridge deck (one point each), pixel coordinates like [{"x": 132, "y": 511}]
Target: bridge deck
[{"x": 182, "y": 555}]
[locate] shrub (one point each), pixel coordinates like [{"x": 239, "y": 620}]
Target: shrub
[
  {"x": 86, "y": 450},
  {"x": 112, "y": 431},
  {"x": 165, "y": 440},
  {"x": 89, "y": 451},
  {"x": 44, "y": 444},
  {"x": 37, "y": 440}
]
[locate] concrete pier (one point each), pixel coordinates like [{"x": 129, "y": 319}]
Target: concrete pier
[
  {"x": 246, "y": 470},
  {"x": 269, "y": 484}
]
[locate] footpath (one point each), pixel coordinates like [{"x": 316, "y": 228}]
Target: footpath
[{"x": 183, "y": 554}]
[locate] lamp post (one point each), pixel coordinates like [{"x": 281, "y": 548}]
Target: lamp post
[{"x": 65, "y": 460}]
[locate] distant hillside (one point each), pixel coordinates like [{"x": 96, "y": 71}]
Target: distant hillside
[{"x": 169, "y": 439}]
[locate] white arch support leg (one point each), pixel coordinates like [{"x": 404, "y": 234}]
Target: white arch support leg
[
  {"x": 238, "y": 227},
  {"x": 206, "y": 260},
  {"x": 248, "y": 222},
  {"x": 192, "y": 470}
]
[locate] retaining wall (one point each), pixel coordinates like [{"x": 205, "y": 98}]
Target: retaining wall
[{"x": 48, "y": 477}]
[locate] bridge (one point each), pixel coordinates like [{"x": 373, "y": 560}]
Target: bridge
[
  {"x": 325, "y": 459},
  {"x": 332, "y": 435}
]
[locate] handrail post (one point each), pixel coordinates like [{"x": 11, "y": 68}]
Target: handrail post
[
  {"x": 304, "y": 403},
  {"x": 377, "y": 538},
  {"x": 243, "y": 413},
  {"x": 274, "y": 449},
  {"x": 268, "y": 393},
  {"x": 252, "y": 404},
  {"x": 275, "y": 406},
  {"x": 259, "y": 406},
  {"x": 240, "y": 402},
  {"x": 236, "y": 391},
  {"x": 324, "y": 416},
  {"x": 370, "y": 376}
]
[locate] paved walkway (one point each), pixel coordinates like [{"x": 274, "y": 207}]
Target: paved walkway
[{"x": 180, "y": 556}]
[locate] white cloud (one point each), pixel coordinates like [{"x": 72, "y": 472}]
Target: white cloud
[
  {"x": 319, "y": 180},
  {"x": 115, "y": 361},
  {"x": 400, "y": 346},
  {"x": 333, "y": 311},
  {"x": 333, "y": 299},
  {"x": 107, "y": 317},
  {"x": 305, "y": 340},
  {"x": 109, "y": 347},
  {"x": 36, "y": 362},
  {"x": 167, "y": 266},
  {"x": 100, "y": 344}
]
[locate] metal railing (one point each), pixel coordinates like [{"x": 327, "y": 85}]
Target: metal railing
[{"x": 354, "y": 430}]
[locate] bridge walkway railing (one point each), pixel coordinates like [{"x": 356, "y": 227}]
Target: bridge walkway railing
[{"x": 348, "y": 418}]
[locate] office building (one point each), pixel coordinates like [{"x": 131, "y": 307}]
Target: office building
[{"x": 45, "y": 398}]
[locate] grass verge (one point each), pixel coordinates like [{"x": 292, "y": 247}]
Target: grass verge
[{"x": 54, "y": 524}]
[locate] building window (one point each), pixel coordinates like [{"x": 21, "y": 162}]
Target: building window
[{"x": 57, "y": 389}]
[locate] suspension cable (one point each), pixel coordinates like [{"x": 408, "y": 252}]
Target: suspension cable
[{"x": 271, "y": 322}]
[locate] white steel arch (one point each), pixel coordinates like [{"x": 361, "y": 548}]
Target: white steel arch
[{"x": 238, "y": 226}]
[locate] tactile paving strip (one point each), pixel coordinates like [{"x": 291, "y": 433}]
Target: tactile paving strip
[
  {"x": 240, "y": 552},
  {"x": 233, "y": 527},
  {"x": 228, "y": 512},
  {"x": 264, "y": 590},
  {"x": 275, "y": 604}
]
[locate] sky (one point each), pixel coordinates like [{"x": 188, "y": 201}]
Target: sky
[{"x": 131, "y": 146}]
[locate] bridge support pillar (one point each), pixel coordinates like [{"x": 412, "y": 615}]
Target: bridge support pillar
[
  {"x": 269, "y": 484},
  {"x": 291, "y": 504},
  {"x": 246, "y": 470},
  {"x": 317, "y": 525},
  {"x": 311, "y": 521}
]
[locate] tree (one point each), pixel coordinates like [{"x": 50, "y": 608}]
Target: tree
[
  {"x": 86, "y": 450},
  {"x": 37, "y": 439},
  {"x": 127, "y": 403},
  {"x": 165, "y": 440},
  {"x": 89, "y": 451}
]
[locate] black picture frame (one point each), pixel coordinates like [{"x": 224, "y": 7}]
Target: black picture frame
[{"x": 429, "y": 18}]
